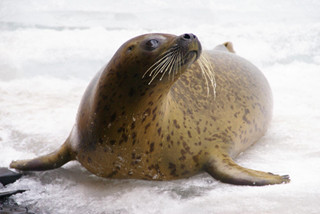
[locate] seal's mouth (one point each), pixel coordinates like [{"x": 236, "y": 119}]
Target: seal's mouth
[{"x": 190, "y": 57}]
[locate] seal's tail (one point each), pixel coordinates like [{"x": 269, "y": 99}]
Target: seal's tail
[{"x": 47, "y": 162}]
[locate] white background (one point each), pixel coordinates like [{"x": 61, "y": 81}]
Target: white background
[{"x": 49, "y": 51}]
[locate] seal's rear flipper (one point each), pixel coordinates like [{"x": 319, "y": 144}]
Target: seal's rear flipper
[
  {"x": 226, "y": 170},
  {"x": 47, "y": 162},
  {"x": 227, "y": 46}
]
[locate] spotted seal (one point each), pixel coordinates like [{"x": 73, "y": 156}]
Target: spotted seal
[{"x": 163, "y": 109}]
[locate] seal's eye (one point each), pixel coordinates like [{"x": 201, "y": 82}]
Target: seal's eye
[{"x": 152, "y": 44}]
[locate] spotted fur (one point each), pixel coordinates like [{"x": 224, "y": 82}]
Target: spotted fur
[{"x": 151, "y": 115}]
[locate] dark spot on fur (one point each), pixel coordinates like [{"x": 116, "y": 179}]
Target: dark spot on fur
[
  {"x": 244, "y": 117},
  {"x": 113, "y": 173},
  {"x": 147, "y": 111},
  {"x": 146, "y": 127},
  {"x": 154, "y": 110},
  {"x": 113, "y": 117},
  {"x": 175, "y": 123},
  {"x": 213, "y": 118},
  {"x": 172, "y": 166},
  {"x": 134, "y": 135},
  {"x": 89, "y": 160},
  {"x": 112, "y": 142},
  {"x": 159, "y": 131},
  {"x": 142, "y": 94},
  {"x": 187, "y": 148},
  {"x": 131, "y": 92},
  {"x": 198, "y": 130},
  {"x": 151, "y": 147},
  {"x": 168, "y": 138},
  {"x": 195, "y": 159},
  {"x": 183, "y": 157},
  {"x": 100, "y": 141},
  {"x": 124, "y": 137},
  {"x": 133, "y": 125},
  {"x": 121, "y": 129},
  {"x": 154, "y": 117},
  {"x": 189, "y": 134}
]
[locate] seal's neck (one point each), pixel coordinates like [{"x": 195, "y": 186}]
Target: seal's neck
[{"x": 134, "y": 98}]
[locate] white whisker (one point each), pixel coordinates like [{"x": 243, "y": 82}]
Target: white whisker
[
  {"x": 156, "y": 64},
  {"x": 164, "y": 66},
  {"x": 174, "y": 66},
  {"x": 208, "y": 74},
  {"x": 168, "y": 67}
]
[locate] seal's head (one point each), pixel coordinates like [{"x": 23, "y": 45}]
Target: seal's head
[{"x": 153, "y": 57}]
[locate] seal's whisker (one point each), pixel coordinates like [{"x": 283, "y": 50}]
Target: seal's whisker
[
  {"x": 160, "y": 70},
  {"x": 158, "y": 67},
  {"x": 163, "y": 57},
  {"x": 203, "y": 74},
  {"x": 156, "y": 64},
  {"x": 211, "y": 75},
  {"x": 178, "y": 62},
  {"x": 154, "y": 67},
  {"x": 208, "y": 74},
  {"x": 174, "y": 65},
  {"x": 168, "y": 63},
  {"x": 163, "y": 66},
  {"x": 169, "y": 67}
]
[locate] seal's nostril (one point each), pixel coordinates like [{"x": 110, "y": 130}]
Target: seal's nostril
[{"x": 187, "y": 36}]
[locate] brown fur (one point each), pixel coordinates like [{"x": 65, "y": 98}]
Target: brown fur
[{"x": 171, "y": 129}]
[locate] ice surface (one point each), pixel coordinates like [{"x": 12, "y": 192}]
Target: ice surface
[{"x": 50, "y": 50}]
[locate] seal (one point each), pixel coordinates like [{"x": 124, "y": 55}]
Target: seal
[{"x": 163, "y": 109}]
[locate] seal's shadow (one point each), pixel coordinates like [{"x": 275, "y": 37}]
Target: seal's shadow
[{"x": 74, "y": 176}]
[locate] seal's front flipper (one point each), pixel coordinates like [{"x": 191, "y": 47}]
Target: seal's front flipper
[
  {"x": 223, "y": 168},
  {"x": 47, "y": 162}
]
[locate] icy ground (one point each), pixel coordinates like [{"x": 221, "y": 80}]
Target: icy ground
[{"x": 49, "y": 51}]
